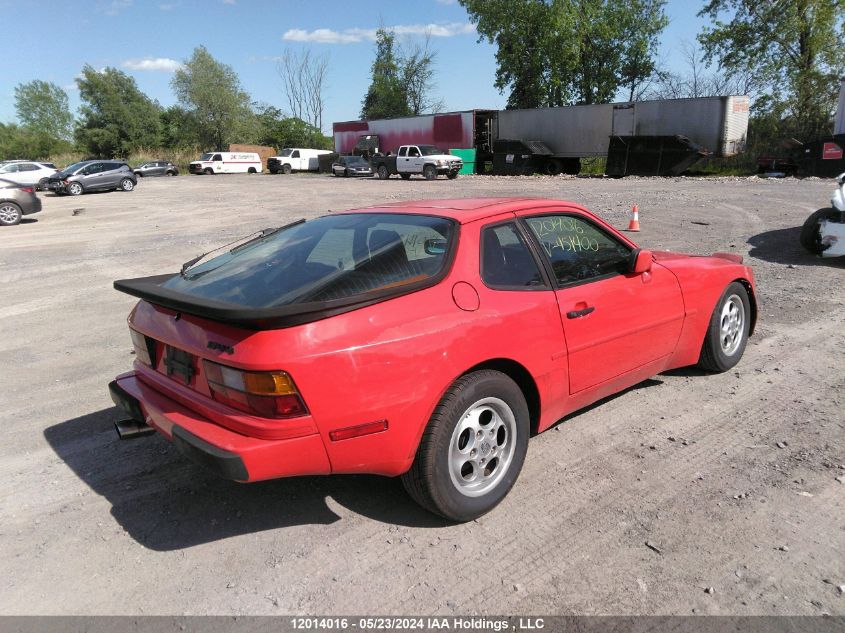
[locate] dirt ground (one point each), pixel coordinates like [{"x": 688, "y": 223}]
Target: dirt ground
[{"x": 736, "y": 480}]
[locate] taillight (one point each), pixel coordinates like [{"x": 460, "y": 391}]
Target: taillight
[
  {"x": 28, "y": 189},
  {"x": 268, "y": 394},
  {"x": 145, "y": 348}
]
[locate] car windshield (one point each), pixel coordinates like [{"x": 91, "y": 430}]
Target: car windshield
[
  {"x": 356, "y": 161},
  {"x": 76, "y": 166},
  {"x": 333, "y": 257},
  {"x": 430, "y": 150},
  {"x": 286, "y": 152},
  {"x": 206, "y": 156}
]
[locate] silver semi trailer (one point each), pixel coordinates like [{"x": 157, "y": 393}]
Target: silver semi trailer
[{"x": 646, "y": 137}]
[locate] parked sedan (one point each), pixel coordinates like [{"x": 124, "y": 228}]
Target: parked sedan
[
  {"x": 16, "y": 201},
  {"x": 422, "y": 339},
  {"x": 93, "y": 175},
  {"x": 351, "y": 166},
  {"x": 156, "y": 168},
  {"x": 32, "y": 173}
]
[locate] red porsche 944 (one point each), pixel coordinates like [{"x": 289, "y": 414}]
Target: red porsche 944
[{"x": 424, "y": 339}]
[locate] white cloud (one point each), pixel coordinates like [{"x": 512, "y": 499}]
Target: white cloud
[
  {"x": 447, "y": 1},
  {"x": 116, "y": 6},
  {"x": 163, "y": 64},
  {"x": 353, "y": 36}
]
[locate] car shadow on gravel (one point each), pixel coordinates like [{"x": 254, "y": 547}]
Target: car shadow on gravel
[
  {"x": 166, "y": 502},
  {"x": 781, "y": 246}
]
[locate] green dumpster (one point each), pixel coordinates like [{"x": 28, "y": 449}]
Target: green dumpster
[{"x": 468, "y": 156}]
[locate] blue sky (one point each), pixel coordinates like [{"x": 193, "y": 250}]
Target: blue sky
[{"x": 149, "y": 38}]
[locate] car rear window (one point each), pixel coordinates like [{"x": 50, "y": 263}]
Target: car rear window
[{"x": 334, "y": 257}]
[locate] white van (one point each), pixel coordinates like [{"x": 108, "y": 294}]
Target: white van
[
  {"x": 226, "y": 163},
  {"x": 296, "y": 159}
]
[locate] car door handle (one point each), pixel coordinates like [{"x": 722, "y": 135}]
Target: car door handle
[{"x": 575, "y": 314}]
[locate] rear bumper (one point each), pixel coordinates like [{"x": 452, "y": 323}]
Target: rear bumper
[
  {"x": 226, "y": 453},
  {"x": 31, "y": 206}
]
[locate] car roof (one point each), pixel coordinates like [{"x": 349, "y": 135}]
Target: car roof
[{"x": 466, "y": 210}]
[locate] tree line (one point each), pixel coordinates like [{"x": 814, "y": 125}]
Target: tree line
[
  {"x": 116, "y": 119},
  {"x": 786, "y": 54}
]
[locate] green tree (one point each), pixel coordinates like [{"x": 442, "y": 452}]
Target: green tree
[
  {"x": 562, "y": 52},
  {"x": 211, "y": 92},
  {"x": 116, "y": 118},
  {"x": 793, "y": 46},
  {"x": 43, "y": 106},
  {"x": 178, "y": 128},
  {"x": 386, "y": 96}
]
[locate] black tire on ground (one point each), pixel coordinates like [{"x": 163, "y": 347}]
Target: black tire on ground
[
  {"x": 170, "y": 173},
  {"x": 10, "y": 214},
  {"x": 209, "y": 171},
  {"x": 140, "y": 174},
  {"x": 127, "y": 185},
  {"x": 251, "y": 170},
  {"x": 429, "y": 172},
  {"x": 727, "y": 333},
  {"x": 572, "y": 166},
  {"x": 810, "y": 238},
  {"x": 456, "y": 453},
  {"x": 452, "y": 175},
  {"x": 553, "y": 167},
  {"x": 346, "y": 173},
  {"x": 383, "y": 174},
  {"x": 286, "y": 169},
  {"x": 74, "y": 189},
  {"x": 405, "y": 176},
  {"x": 43, "y": 184}
]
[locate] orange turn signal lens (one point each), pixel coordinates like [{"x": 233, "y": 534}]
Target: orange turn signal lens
[{"x": 276, "y": 383}]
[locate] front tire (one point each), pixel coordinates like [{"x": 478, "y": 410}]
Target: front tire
[
  {"x": 74, "y": 189},
  {"x": 429, "y": 172},
  {"x": 472, "y": 449},
  {"x": 10, "y": 214},
  {"x": 383, "y": 174},
  {"x": 286, "y": 169},
  {"x": 127, "y": 185},
  {"x": 727, "y": 334},
  {"x": 810, "y": 238},
  {"x": 452, "y": 175},
  {"x": 209, "y": 171},
  {"x": 405, "y": 176}
]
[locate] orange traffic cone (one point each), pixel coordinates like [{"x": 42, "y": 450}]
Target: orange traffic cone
[{"x": 634, "y": 224}]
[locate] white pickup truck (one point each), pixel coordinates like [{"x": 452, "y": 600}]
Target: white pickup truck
[{"x": 416, "y": 159}]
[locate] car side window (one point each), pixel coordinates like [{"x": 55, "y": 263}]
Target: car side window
[
  {"x": 94, "y": 168},
  {"x": 403, "y": 151},
  {"x": 506, "y": 261},
  {"x": 413, "y": 151},
  {"x": 295, "y": 154},
  {"x": 577, "y": 249},
  {"x": 28, "y": 167},
  {"x": 217, "y": 157},
  {"x": 11, "y": 169}
]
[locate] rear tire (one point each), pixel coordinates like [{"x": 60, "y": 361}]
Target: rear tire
[
  {"x": 429, "y": 172},
  {"x": 44, "y": 184},
  {"x": 472, "y": 449},
  {"x": 810, "y": 238},
  {"x": 727, "y": 334},
  {"x": 405, "y": 176},
  {"x": 251, "y": 170},
  {"x": 10, "y": 214}
]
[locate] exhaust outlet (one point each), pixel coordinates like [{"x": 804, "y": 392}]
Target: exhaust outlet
[{"x": 130, "y": 429}]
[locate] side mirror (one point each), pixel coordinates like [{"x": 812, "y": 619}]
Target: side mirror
[
  {"x": 435, "y": 246},
  {"x": 640, "y": 261}
]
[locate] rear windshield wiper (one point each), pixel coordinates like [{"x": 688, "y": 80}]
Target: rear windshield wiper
[{"x": 257, "y": 236}]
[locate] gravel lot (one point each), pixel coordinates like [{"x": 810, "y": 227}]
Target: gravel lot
[{"x": 736, "y": 480}]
